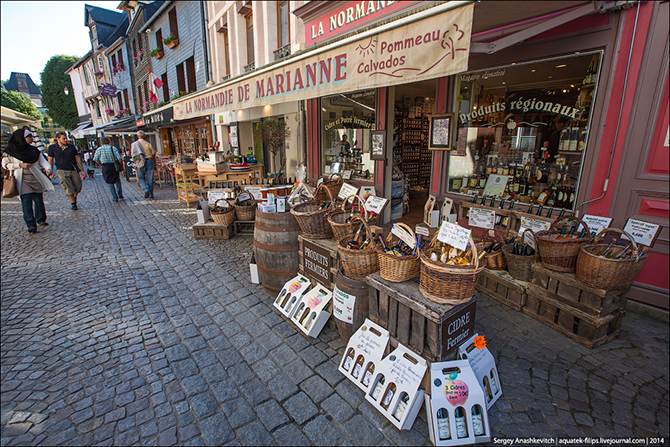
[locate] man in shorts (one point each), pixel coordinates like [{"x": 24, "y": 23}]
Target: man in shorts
[{"x": 67, "y": 162}]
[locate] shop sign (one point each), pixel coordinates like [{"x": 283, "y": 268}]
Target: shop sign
[
  {"x": 458, "y": 328},
  {"x": 521, "y": 105},
  {"x": 436, "y": 46},
  {"x": 158, "y": 118},
  {"x": 316, "y": 261},
  {"x": 140, "y": 122},
  {"x": 108, "y": 90},
  {"x": 351, "y": 16}
]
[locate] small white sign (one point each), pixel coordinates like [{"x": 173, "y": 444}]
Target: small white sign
[
  {"x": 422, "y": 230},
  {"x": 375, "y": 204},
  {"x": 346, "y": 191},
  {"x": 346, "y": 175},
  {"x": 243, "y": 196},
  {"x": 213, "y": 196},
  {"x": 482, "y": 218},
  {"x": 495, "y": 185},
  {"x": 320, "y": 180},
  {"x": 404, "y": 236},
  {"x": 642, "y": 232},
  {"x": 367, "y": 191},
  {"x": 529, "y": 239},
  {"x": 454, "y": 235},
  {"x": 255, "y": 191},
  {"x": 534, "y": 224},
  {"x": 343, "y": 305},
  {"x": 596, "y": 224}
]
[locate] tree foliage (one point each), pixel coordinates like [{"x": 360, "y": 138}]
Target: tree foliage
[
  {"x": 62, "y": 107},
  {"x": 19, "y": 102},
  {"x": 273, "y": 133}
]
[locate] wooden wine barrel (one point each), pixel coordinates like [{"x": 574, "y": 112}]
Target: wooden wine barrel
[
  {"x": 276, "y": 249},
  {"x": 359, "y": 289}
]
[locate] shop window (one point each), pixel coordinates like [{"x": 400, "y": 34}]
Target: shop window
[
  {"x": 172, "y": 18},
  {"x": 85, "y": 71},
  {"x": 181, "y": 80},
  {"x": 521, "y": 131},
  {"x": 283, "y": 25},
  {"x": 347, "y": 120},
  {"x": 119, "y": 55},
  {"x": 119, "y": 100},
  {"x": 159, "y": 39},
  {"x": 250, "y": 38},
  {"x": 125, "y": 98}
]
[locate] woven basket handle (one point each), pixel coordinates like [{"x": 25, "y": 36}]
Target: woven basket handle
[
  {"x": 360, "y": 201},
  {"x": 365, "y": 224},
  {"x": 575, "y": 218},
  {"x": 616, "y": 230},
  {"x": 532, "y": 234},
  {"x": 389, "y": 237},
  {"x": 316, "y": 193},
  {"x": 230, "y": 207},
  {"x": 330, "y": 179}
]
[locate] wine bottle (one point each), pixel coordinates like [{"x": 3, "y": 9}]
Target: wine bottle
[
  {"x": 515, "y": 250},
  {"x": 562, "y": 235},
  {"x": 443, "y": 429},
  {"x": 603, "y": 253},
  {"x": 358, "y": 366},
  {"x": 461, "y": 426},
  {"x": 539, "y": 211},
  {"x": 378, "y": 388},
  {"x": 348, "y": 360},
  {"x": 388, "y": 397},
  {"x": 477, "y": 422},
  {"x": 494, "y": 382},
  {"x": 401, "y": 407},
  {"x": 623, "y": 252},
  {"x": 369, "y": 371}
]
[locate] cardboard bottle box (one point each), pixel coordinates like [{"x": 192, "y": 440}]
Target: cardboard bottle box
[
  {"x": 455, "y": 392},
  {"x": 363, "y": 354},
  {"x": 395, "y": 390},
  {"x": 484, "y": 366},
  {"x": 313, "y": 310},
  {"x": 291, "y": 294}
]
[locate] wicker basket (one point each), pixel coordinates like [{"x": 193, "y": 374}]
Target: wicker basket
[
  {"x": 313, "y": 221},
  {"x": 398, "y": 268},
  {"x": 495, "y": 260},
  {"x": 358, "y": 263},
  {"x": 338, "y": 218},
  {"x": 223, "y": 217},
  {"x": 560, "y": 254},
  {"x": 333, "y": 186},
  {"x": 246, "y": 211},
  {"x": 520, "y": 267},
  {"x": 449, "y": 284},
  {"x": 608, "y": 274}
]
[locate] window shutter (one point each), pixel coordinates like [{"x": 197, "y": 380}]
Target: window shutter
[{"x": 190, "y": 73}]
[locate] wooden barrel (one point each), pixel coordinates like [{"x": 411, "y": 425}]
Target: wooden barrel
[
  {"x": 359, "y": 289},
  {"x": 276, "y": 249}
]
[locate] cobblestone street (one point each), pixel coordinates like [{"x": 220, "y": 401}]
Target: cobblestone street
[{"x": 119, "y": 328}]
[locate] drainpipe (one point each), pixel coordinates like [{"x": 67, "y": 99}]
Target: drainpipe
[
  {"x": 616, "y": 134},
  {"x": 205, "y": 38}
]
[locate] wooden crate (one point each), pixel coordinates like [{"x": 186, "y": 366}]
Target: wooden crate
[
  {"x": 583, "y": 328},
  {"x": 321, "y": 262},
  {"x": 432, "y": 330},
  {"x": 213, "y": 231},
  {"x": 244, "y": 227},
  {"x": 566, "y": 289},
  {"x": 499, "y": 285}
]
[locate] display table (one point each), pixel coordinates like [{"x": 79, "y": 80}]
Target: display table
[
  {"x": 187, "y": 181},
  {"x": 432, "y": 330},
  {"x": 255, "y": 171}
]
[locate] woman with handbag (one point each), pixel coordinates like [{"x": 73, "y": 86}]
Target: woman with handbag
[
  {"x": 24, "y": 161},
  {"x": 109, "y": 158}
]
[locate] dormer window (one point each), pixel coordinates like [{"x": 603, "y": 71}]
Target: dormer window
[{"x": 94, "y": 33}]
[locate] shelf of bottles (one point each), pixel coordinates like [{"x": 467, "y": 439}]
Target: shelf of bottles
[{"x": 410, "y": 150}]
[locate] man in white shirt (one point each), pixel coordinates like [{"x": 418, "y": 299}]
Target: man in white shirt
[{"x": 143, "y": 157}]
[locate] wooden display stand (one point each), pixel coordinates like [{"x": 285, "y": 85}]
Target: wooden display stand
[
  {"x": 325, "y": 258},
  {"x": 500, "y": 230},
  {"x": 244, "y": 227},
  {"x": 416, "y": 322},
  {"x": 186, "y": 176},
  {"x": 499, "y": 285},
  {"x": 589, "y": 316},
  {"x": 213, "y": 231},
  {"x": 255, "y": 171}
]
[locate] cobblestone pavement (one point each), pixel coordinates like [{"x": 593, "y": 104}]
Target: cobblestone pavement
[{"x": 119, "y": 328}]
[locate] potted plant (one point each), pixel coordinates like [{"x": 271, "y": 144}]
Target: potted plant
[
  {"x": 171, "y": 41},
  {"x": 118, "y": 68},
  {"x": 109, "y": 112},
  {"x": 99, "y": 74},
  {"x": 157, "y": 53},
  {"x": 273, "y": 133}
]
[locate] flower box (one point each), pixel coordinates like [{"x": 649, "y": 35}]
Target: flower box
[
  {"x": 158, "y": 54},
  {"x": 173, "y": 43}
]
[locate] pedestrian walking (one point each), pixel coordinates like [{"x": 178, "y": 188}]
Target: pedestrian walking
[
  {"x": 143, "y": 157},
  {"x": 68, "y": 163},
  {"x": 24, "y": 160},
  {"x": 105, "y": 156}
]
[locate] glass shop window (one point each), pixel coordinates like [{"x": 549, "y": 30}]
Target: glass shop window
[
  {"x": 347, "y": 121},
  {"x": 522, "y": 130}
]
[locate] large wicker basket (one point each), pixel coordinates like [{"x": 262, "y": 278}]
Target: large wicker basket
[
  {"x": 338, "y": 218},
  {"x": 398, "y": 268},
  {"x": 518, "y": 266},
  {"x": 333, "y": 186},
  {"x": 560, "y": 254},
  {"x": 245, "y": 210},
  {"x": 312, "y": 220},
  {"x": 605, "y": 273},
  {"x": 223, "y": 217},
  {"x": 495, "y": 260},
  {"x": 449, "y": 284},
  {"x": 358, "y": 263}
]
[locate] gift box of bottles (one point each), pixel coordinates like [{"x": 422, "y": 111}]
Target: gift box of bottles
[
  {"x": 395, "y": 390},
  {"x": 363, "y": 354},
  {"x": 313, "y": 310},
  {"x": 484, "y": 366},
  {"x": 291, "y": 294},
  {"x": 456, "y": 407}
]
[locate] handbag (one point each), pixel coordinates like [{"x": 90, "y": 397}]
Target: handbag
[
  {"x": 9, "y": 187},
  {"x": 118, "y": 166},
  {"x": 139, "y": 161}
]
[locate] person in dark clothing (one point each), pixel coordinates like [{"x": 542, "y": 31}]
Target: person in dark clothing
[
  {"x": 106, "y": 155},
  {"x": 555, "y": 140},
  {"x": 67, "y": 161}
]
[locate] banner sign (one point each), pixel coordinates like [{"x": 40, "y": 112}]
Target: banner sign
[
  {"x": 434, "y": 47},
  {"x": 108, "y": 90}
]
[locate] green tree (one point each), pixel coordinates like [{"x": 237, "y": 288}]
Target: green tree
[
  {"x": 62, "y": 107},
  {"x": 19, "y": 102}
]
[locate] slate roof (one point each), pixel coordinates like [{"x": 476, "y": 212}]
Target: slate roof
[
  {"x": 13, "y": 84},
  {"x": 120, "y": 31},
  {"x": 101, "y": 15}
]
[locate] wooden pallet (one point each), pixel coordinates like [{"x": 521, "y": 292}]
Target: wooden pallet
[
  {"x": 499, "y": 285},
  {"x": 244, "y": 227},
  {"x": 213, "y": 231},
  {"x": 422, "y": 325},
  {"x": 581, "y": 327},
  {"x": 566, "y": 289}
]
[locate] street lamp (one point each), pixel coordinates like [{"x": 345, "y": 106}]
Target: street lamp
[{"x": 66, "y": 91}]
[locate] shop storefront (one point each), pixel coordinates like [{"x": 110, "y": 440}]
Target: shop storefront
[{"x": 160, "y": 122}]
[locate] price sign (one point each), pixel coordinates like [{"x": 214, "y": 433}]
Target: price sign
[
  {"x": 422, "y": 230},
  {"x": 243, "y": 196},
  {"x": 482, "y": 218},
  {"x": 319, "y": 182},
  {"x": 534, "y": 224},
  {"x": 375, "y": 204},
  {"x": 454, "y": 235},
  {"x": 528, "y": 239},
  {"x": 346, "y": 175},
  {"x": 643, "y": 232},
  {"x": 213, "y": 196},
  {"x": 404, "y": 235},
  {"x": 596, "y": 224},
  {"x": 346, "y": 191}
]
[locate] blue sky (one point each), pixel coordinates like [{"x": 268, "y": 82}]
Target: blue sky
[{"x": 33, "y": 32}]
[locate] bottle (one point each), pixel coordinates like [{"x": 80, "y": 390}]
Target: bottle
[
  {"x": 494, "y": 382},
  {"x": 561, "y": 213},
  {"x": 603, "y": 253},
  {"x": 539, "y": 211},
  {"x": 461, "y": 426},
  {"x": 515, "y": 250},
  {"x": 401, "y": 407},
  {"x": 388, "y": 397},
  {"x": 369, "y": 371},
  {"x": 347, "y": 361},
  {"x": 378, "y": 387},
  {"x": 477, "y": 422},
  {"x": 482, "y": 180},
  {"x": 443, "y": 429},
  {"x": 622, "y": 253},
  {"x": 358, "y": 366}
]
